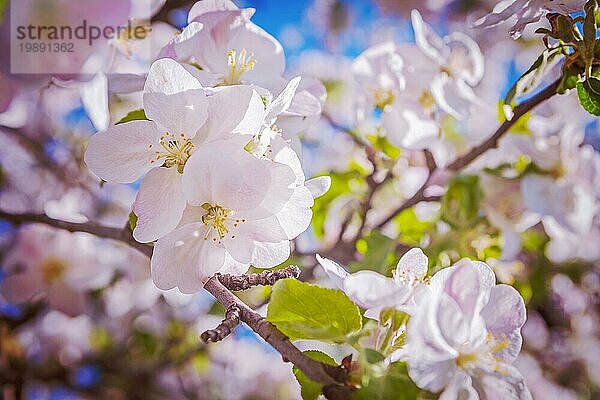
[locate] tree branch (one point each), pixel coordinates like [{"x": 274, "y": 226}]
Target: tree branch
[
  {"x": 490, "y": 143},
  {"x": 315, "y": 370},
  {"x": 122, "y": 235}
]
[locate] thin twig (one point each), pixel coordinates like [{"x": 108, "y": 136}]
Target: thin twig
[
  {"x": 224, "y": 329},
  {"x": 265, "y": 278},
  {"x": 490, "y": 143}
]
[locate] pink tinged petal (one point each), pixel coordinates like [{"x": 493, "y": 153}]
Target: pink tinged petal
[
  {"x": 296, "y": 215},
  {"x": 453, "y": 323},
  {"x": 232, "y": 266},
  {"x": 233, "y": 110},
  {"x": 262, "y": 230},
  {"x": 369, "y": 289},
  {"x": 427, "y": 40},
  {"x": 174, "y": 98},
  {"x": 505, "y": 312},
  {"x": 183, "y": 46},
  {"x": 227, "y": 176},
  {"x": 266, "y": 50},
  {"x": 474, "y": 72},
  {"x": 94, "y": 96},
  {"x": 240, "y": 248},
  {"x": 505, "y": 384},
  {"x": 318, "y": 186},
  {"x": 19, "y": 288},
  {"x": 185, "y": 260},
  {"x": 335, "y": 271},
  {"x": 206, "y": 6},
  {"x": 283, "y": 100},
  {"x": 453, "y": 96},
  {"x": 431, "y": 376},
  {"x": 412, "y": 265},
  {"x": 159, "y": 204},
  {"x": 464, "y": 287},
  {"x": 122, "y": 154},
  {"x": 65, "y": 299},
  {"x": 268, "y": 255},
  {"x": 459, "y": 387}
]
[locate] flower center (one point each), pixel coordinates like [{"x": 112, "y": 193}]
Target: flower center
[
  {"x": 427, "y": 100},
  {"x": 53, "y": 269},
  {"x": 218, "y": 220},
  {"x": 175, "y": 151},
  {"x": 383, "y": 98},
  {"x": 238, "y": 64}
]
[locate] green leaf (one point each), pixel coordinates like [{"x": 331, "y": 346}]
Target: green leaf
[
  {"x": 377, "y": 249},
  {"x": 589, "y": 30},
  {"x": 132, "y": 220},
  {"x": 460, "y": 204},
  {"x": 569, "y": 79},
  {"x": 3, "y": 4},
  {"x": 534, "y": 76},
  {"x": 393, "y": 384},
  {"x": 309, "y": 389},
  {"x": 304, "y": 311},
  {"x": 134, "y": 115},
  {"x": 411, "y": 227},
  {"x": 587, "y": 92}
]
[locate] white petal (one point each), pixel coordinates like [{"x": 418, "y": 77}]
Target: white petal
[
  {"x": 121, "y": 154},
  {"x": 284, "y": 100},
  {"x": 174, "y": 98},
  {"x": 427, "y": 40},
  {"x": 369, "y": 289},
  {"x": 296, "y": 215},
  {"x": 268, "y": 255},
  {"x": 412, "y": 265},
  {"x": 335, "y": 271},
  {"x": 205, "y": 6},
  {"x": 318, "y": 186},
  {"x": 159, "y": 204},
  {"x": 185, "y": 260},
  {"x": 94, "y": 96}
]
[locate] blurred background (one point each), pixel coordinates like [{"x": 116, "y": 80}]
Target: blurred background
[{"x": 103, "y": 331}]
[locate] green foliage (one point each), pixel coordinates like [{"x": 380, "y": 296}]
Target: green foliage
[
  {"x": 460, "y": 204},
  {"x": 392, "y": 383},
  {"x": 132, "y": 220},
  {"x": 411, "y": 228},
  {"x": 588, "y": 92},
  {"x": 342, "y": 184},
  {"x": 377, "y": 249},
  {"x": 3, "y": 4},
  {"x": 309, "y": 389},
  {"x": 134, "y": 115},
  {"x": 304, "y": 311}
]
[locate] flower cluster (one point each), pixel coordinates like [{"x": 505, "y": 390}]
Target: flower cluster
[{"x": 222, "y": 189}]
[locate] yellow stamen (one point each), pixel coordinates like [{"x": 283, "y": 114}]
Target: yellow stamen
[
  {"x": 238, "y": 65},
  {"x": 175, "y": 151},
  {"x": 53, "y": 269}
]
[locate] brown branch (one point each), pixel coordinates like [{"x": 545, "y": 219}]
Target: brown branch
[
  {"x": 224, "y": 329},
  {"x": 122, "y": 235},
  {"x": 490, "y": 143},
  {"x": 314, "y": 370},
  {"x": 265, "y": 278}
]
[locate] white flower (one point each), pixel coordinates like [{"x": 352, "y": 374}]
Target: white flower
[
  {"x": 373, "y": 291},
  {"x": 465, "y": 334},
  {"x": 56, "y": 264},
  {"x": 177, "y": 107},
  {"x": 243, "y": 210}
]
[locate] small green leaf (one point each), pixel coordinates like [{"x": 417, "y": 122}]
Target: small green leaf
[
  {"x": 589, "y": 30},
  {"x": 569, "y": 79},
  {"x": 376, "y": 248},
  {"x": 309, "y": 389},
  {"x": 132, "y": 220},
  {"x": 392, "y": 384},
  {"x": 3, "y": 4},
  {"x": 587, "y": 92},
  {"x": 304, "y": 311},
  {"x": 460, "y": 204},
  {"x": 134, "y": 115}
]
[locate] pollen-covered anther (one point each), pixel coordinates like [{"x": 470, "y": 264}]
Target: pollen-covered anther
[
  {"x": 217, "y": 218},
  {"x": 175, "y": 151},
  {"x": 239, "y": 63}
]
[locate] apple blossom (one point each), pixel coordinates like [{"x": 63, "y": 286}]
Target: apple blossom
[
  {"x": 376, "y": 292},
  {"x": 465, "y": 334}
]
